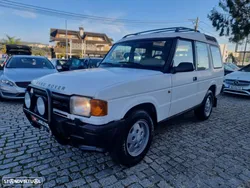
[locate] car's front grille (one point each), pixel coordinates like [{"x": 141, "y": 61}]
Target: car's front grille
[
  {"x": 237, "y": 82},
  {"x": 60, "y": 102},
  {"x": 22, "y": 84}
]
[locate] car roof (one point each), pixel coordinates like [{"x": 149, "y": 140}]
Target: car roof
[
  {"x": 31, "y": 56},
  {"x": 184, "y": 33}
]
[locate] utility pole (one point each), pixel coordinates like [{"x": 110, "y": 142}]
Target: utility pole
[
  {"x": 66, "y": 39},
  {"x": 70, "y": 48},
  {"x": 196, "y": 24},
  {"x": 82, "y": 48},
  {"x": 85, "y": 47},
  {"x": 244, "y": 54}
]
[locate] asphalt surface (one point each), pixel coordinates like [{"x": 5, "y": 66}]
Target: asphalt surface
[{"x": 185, "y": 152}]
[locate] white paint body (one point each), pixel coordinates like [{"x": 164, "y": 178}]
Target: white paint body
[
  {"x": 125, "y": 88},
  {"x": 238, "y": 76}
]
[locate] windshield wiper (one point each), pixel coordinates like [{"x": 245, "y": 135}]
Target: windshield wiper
[
  {"x": 106, "y": 63},
  {"x": 131, "y": 64}
]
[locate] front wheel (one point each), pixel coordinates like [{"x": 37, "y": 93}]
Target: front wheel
[
  {"x": 135, "y": 139},
  {"x": 204, "y": 111}
]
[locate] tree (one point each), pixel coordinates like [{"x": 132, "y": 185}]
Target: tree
[
  {"x": 3, "y": 50},
  {"x": 11, "y": 40},
  {"x": 234, "y": 20}
]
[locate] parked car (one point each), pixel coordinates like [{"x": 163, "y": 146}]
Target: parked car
[
  {"x": 238, "y": 82},
  {"x": 1, "y": 64},
  {"x": 92, "y": 62},
  {"x": 15, "y": 49},
  {"x": 230, "y": 67},
  {"x": 19, "y": 71},
  {"x": 58, "y": 63},
  {"x": 74, "y": 64},
  {"x": 116, "y": 106}
]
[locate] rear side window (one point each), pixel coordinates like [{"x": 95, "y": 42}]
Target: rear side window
[
  {"x": 202, "y": 56},
  {"x": 216, "y": 57},
  {"x": 183, "y": 53}
]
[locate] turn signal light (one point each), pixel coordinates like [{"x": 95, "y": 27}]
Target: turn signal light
[{"x": 98, "y": 107}]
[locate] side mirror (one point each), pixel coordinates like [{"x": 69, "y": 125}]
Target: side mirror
[{"x": 184, "y": 67}]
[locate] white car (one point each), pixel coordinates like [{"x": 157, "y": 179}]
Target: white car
[
  {"x": 117, "y": 105},
  {"x": 238, "y": 82}
]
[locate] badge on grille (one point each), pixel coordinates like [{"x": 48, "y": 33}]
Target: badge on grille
[{"x": 236, "y": 82}]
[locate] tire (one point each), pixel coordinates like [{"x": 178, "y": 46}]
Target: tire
[
  {"x": 137, "y": 136},
  {"x": 204, "y": 111}
]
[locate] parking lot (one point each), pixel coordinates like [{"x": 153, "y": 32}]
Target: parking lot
[{"x": 185, "y": 152}]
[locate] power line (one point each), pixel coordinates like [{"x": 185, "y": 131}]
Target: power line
[{"x": 69, "y": 15}]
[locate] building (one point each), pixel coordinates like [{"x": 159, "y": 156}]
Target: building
[{"x": 80, "y": 43}]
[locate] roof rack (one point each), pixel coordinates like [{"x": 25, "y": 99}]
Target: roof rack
[
  {"x": 169, "y": 29},
  {"x": 210, "y": 38}
]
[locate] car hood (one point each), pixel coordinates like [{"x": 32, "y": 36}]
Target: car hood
[
  {"x": 88, "y": 82},
  {"x": 26, "y": 75},
  {"x": 238, "y": 75}
]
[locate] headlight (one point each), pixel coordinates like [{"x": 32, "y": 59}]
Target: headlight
[
  {"x": 84, "y": 106},
  {"x": 80, "y": 106},
  {"x": 27, "y": 100},
  {"x": 7, "y": 82},
  {"x": 40, "y": 106}
]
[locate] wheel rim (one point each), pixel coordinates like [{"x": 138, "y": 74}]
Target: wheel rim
[
  {"x": 138, "y": 137},
  {"x": 208, "y": 106}
]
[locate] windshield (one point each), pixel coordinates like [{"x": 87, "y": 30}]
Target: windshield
[
  {"x": 62, "y": 62},
  {"x": 29, "y": 62},
  {"x": 75, "y": 62},
  {"x": 245, "y": 69},
  {"x": 231, "y": 66},
  {"x": 149, "y": 54},
  {"x": 95, "y": 60}
]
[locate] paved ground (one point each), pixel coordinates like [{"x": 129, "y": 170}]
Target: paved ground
[{"x": 185, "y": 153}]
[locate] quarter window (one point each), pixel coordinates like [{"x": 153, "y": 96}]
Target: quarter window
[
  {"x": 216, "y": 57},
  {"x": 202, "y": 56},
  {"x": 183, "y": 53}
]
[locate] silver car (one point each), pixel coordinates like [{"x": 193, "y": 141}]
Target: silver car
[{"x": 19, "y": 71}]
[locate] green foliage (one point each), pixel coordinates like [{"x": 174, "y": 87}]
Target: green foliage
[
  {"x": 63, "y": 55},
  {"x": 40, "y": 51},
  {"x": 11, "y": 40},
  {"x": 3, "y": 50},
  {"x": 234, "y": 21}
]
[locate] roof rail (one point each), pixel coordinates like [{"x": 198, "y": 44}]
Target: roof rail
[
  {"x": 208, "y": 37},
  {"x": 169, "y": 29}
]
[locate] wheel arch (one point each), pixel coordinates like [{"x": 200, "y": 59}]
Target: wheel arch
[
  {"x": 148, "y": 107},
  {"x": 213, "y": 89}
]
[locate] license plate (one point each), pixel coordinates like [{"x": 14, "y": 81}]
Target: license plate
[
  {"x": 44, "y": 125},
  {"x": 236, "y": 87}
]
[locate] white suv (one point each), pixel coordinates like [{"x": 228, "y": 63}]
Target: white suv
[{"x": 115, "y": 107}]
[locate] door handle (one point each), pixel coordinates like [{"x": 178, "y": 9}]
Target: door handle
[{"x": 194, "y": 78}]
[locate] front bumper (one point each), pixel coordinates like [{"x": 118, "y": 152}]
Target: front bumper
[
  {"x": 78, "y": 134},
  {"x": 11, "y": 92},
  {"x": 243, "y": 91},
  {"x": 75, "y": 132}
]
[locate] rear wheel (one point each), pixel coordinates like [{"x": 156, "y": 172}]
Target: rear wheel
[
  {"x": 135, "y": 139},
  {"x": 204, "y": 111}
]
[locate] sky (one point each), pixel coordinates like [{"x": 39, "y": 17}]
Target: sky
[{"x": 34, "y": 27}]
